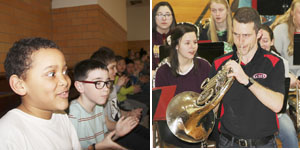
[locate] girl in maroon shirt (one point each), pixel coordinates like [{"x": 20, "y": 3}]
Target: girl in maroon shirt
[
  {"x": 163, "y": 20},
  {"x": 184, "y": 69}
]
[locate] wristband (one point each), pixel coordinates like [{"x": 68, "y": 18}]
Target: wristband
[{"x": 250, "y": 82}]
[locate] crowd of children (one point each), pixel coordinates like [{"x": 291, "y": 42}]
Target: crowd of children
[{"x": 37, "y": 71}]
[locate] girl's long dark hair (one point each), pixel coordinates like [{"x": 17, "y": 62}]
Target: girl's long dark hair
[
  {"x": 154, "y": 11},
  {"x": 269, "y": 30},
  {"x": 176, "y": 35}
]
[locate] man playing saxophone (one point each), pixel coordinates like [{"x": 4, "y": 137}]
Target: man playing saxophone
[{"x": 248, "y": 110}]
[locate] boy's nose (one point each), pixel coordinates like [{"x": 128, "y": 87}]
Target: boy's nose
[{"x": 64, "y": 80}]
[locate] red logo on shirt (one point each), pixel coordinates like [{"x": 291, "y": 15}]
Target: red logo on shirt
[{"x": 260, "y": 75}]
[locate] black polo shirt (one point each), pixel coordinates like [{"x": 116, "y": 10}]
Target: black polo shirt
[{"x": 242, "y": 114}]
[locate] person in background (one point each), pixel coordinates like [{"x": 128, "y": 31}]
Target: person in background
[
  {"x": 124, "y": 102},
  {"x": 130, "y": 70},
  {"x": 134, "y": 70},
  {"x": 182, "y": 68},
  {"x": 284, "y": 28},
  {"x": 163, "y": 20},
  {"x": 131, "y": 55},
  {"x": 87, "y": 111},
  {"x": 37, "y": 71},
  {"x": 287, "y": 133},
  {"x": 145, "y": 59},
  {"x": 137, "y": 55},
  {"x": 138, "y": 138},
  {"x": 219, "y": 27}
]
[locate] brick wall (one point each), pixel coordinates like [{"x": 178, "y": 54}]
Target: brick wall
[
  {"x": 137, "y": 45},
  {"x": 80, "y": 31},
  {"x": 21, "y": 19}
]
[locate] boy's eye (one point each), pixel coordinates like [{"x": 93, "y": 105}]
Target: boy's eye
[{"x": 51, "y": 74}]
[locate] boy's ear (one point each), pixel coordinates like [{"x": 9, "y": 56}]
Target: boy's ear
[
  {"x": 17, "y": 85},
  {"x": 79, "y": 87}
]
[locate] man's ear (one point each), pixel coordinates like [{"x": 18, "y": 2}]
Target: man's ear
[
  {"x": 259, "y": 34},
  {"x": 17, "y": 85},
  {"x": 79, "y": 86}
]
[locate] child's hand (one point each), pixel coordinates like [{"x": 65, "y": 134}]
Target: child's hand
[
  {"x": 122, "y": 80},
  {"x": 108, "y": 142},
  {"x": 136, "y": 89},
  {"x": 144, "y": 78},
  {"x": 125, "y": 125},
  {"x": 136, "y": 112}
]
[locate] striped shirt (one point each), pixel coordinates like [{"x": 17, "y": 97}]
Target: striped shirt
[{"x": 90, "y": 127}]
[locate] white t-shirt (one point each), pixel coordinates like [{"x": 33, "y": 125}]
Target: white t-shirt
[{"x": 19, "y": 130}]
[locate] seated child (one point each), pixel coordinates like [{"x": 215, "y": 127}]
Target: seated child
[
  {"x": 86, "y": 112},
  {"x": 141, "y": 79},
  {"x": 139, "y": 138},
  {"x": 37, "y": 71},
  {"x": 124, "y": 102},
  {"x": 130, "y": 70}
]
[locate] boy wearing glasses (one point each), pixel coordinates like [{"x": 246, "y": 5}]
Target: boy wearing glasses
[
  {"x": 87, "y": 112},
  {"x": 139, "y": 137}
]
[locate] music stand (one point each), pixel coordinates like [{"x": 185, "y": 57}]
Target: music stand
[
  {"x": 296, "y": 49},
  {"x": 210, "y": 51},
  {"x": 164, "y": 52}
]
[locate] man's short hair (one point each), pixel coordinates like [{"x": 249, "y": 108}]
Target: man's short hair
[
  {"x": 248, "y": 15},
  {"x": 18, "y": 59},
  {"x": 104, "y": 54},
  {"x": 82, "y": 68}
]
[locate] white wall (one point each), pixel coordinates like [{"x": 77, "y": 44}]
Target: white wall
[
  {"x": 71, "y": 3},
  {"x": 138, "y": 22},
  {"x": 115, "y": 8}
]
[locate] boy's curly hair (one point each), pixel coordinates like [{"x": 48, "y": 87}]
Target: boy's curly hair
[{"x": 18, "y": 59}]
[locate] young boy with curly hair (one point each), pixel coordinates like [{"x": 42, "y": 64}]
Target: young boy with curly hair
[{"x": 37, "y": 71}]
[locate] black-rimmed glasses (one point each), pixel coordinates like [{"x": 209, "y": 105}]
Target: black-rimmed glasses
[{"x": 100, "y": 84}]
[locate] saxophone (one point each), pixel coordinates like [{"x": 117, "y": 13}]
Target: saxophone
[{"x": 189, "y": 115}]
